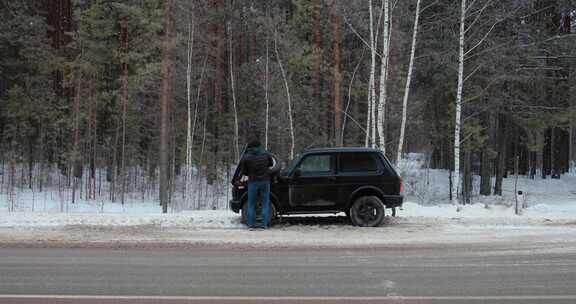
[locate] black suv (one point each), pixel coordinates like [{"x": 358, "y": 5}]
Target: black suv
[{"x": 358, "y": 181}]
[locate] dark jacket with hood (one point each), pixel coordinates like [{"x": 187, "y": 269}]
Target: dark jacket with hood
[{"x": 255, "y": 164}]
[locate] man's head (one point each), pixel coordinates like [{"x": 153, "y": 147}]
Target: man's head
[{"x": 254, "y": 143}]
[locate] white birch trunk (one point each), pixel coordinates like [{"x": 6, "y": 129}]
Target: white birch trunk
[
  {"x": 368, "y": 115},
  {"x": 188, "y": 178},
  {"x": 236, "y": 144},
  {"x": 197, "y": 102},
  {"x": 287, "y": 95},
  {"x": 383, "y": 76},
  {"x": 457, "y": 123},
  {"x": 371, "y": 96},
  {"x": 408, "y": 81}
]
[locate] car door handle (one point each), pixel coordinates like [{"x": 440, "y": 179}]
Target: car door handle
[{"x": 332, "y": 178}]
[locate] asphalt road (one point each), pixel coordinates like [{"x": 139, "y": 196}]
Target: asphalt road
[{"x": 542, "y": 273}]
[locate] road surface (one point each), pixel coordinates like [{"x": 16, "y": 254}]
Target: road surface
[{"x": 482, "y": 273}]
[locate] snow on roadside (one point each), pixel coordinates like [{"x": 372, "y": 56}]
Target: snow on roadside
[
  {"x": 225, "y": 219},
  {"x": 488, "y": 211},
  {"x": 195, "y": 219},
  {"x": 415, "y": 225}
]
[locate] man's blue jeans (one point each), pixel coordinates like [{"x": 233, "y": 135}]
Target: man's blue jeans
[{"x": 253, "y": 188}]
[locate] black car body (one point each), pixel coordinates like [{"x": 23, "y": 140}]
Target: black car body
[{"x": 331, "y": 180}]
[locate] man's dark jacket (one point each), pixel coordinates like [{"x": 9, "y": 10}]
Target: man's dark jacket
[{"x": 255, "y": 164}]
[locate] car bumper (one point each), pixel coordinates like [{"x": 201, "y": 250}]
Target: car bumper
[
  {"x": 235, "y": 206},
  {"x": 393, "y": 201}
]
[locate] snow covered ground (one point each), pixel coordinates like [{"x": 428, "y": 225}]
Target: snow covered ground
[
  {"x": 415, "y": 225},
  {"x": 426, "y": 217},
  {"x": 225, "y": 219}
]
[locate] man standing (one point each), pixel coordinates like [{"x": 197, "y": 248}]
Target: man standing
[{"x": 255, "y": 164}]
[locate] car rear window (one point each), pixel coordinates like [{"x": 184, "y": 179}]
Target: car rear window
[{"x": 358, "y": 162}]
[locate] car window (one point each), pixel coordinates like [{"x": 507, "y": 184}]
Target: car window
[
  {"x": 316, "y": 164},
  {"x": 358, "y": 162}
]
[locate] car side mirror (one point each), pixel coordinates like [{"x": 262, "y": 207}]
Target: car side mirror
[{"x": 297, "y": 173}]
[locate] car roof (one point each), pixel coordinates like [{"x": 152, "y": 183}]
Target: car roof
[{"x": 342, "y": 149}]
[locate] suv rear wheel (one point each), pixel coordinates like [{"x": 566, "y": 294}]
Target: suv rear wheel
[
  {"x": 257, "y": 212},
  {"x": 367, "y": 211}
]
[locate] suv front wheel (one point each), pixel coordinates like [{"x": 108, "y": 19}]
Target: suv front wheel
[{"x": 367, "y": 211}]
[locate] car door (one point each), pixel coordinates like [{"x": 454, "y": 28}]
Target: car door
[{"x": 314, "y": 183}]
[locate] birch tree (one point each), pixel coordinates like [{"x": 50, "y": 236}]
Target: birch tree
[
  {"x": 231, "y": 63},
  {"x": 408, "y": 82},
  {"x": 370, "y": 120},
  {"x": 290, "y": 120},
  {"x": 464, "y": 54},
  {"x": 190, "y": 44},
  {"x": 383, "y": 75},
  {"x": 266, "y": 97},
  {"x": 457, "y": 122}
]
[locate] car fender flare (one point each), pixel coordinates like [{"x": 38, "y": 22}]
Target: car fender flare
[{"x": 380, "y": 194}]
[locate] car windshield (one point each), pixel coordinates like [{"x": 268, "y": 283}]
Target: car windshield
[{"x": 286, "y": 171}]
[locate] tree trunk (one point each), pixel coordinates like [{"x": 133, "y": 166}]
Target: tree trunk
[
  {"x": 75, "y": 166},
  {"x": 370, "y": 121},
  {"x": 287, "y": 96},
  {"x": 231, "y": 51},
  {"x": 94, "y": 163},
  {"x": 457, "y": 123},
  {"x": 124, "y": 105},
  {"x": 198, "y": 201},
  {"x": 408, "y": 81},
  {"x": 318, "y": 77},
  {"x": 450, "y": 183},
  {"x": 266, "y": 97},
  {"x": 571, "y": 152},
  {"x": 30, "y": 161},
  {"x": 165, "y": 108},
  {"x": 188, "y": 177},
  {"x": 467, "y": 182},
  {"x": 501, "y": 165},
  {"x": 384, "y": 77},
  {"x": 89, "y": 142},
  {"x": 123, "y": 155},
  {"x": 485, "y": 173},
  {"x": 114, "y": 171},
  {"x": 336, "y": 74},
  {"x": 540, "y": 158},
  {"x": 552, "y": 158}
]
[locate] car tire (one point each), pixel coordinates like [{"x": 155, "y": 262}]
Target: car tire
[
  {"x": 257, "y": 220},
  {"x": 367, "y": 211}
]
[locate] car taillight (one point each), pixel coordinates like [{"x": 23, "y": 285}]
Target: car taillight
[{"x": 401, "y": 186}]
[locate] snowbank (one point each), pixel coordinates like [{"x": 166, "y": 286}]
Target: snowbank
[
  {"x": 196, "y": 219},
  {"x": 225, "y": 219}
]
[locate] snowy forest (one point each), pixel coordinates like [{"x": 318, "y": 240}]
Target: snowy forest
[{"x": 110, "y": 100}]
